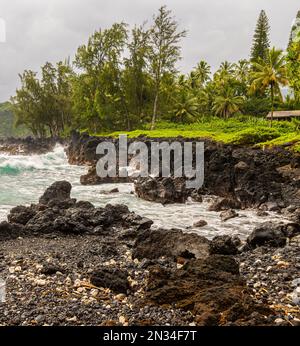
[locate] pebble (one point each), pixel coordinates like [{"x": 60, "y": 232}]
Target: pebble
[
  {"x": 296, "y": 282},
  {"x": 94, "y": 292},
  {"x": 40, "y": 282}
]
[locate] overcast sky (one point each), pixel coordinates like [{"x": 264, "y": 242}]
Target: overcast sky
[{"x": 50, "y": 30}]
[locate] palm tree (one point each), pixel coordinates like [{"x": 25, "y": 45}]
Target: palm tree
[
  {"x": 202, "y": 72},
  {"x": 226, "y": 68},
  {"x": 270, "y": 74},
  {"x": 186, "y": 106},
  {"x": 227, "y": 103},
  {"x": 242, "y": 70}
]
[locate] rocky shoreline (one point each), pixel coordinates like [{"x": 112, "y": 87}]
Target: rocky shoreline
[
  {"x": 29, "y": 145},
  {"x": 266, "y": 179},
  {"x": 69, "y": 263}
]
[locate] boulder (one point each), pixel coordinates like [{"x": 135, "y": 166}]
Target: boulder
[
  {"x": 161, "y": 190},
  {"x": 113, "y": 278},
  {"x": 200, "y": 223},
  {"x": 10, "y": 230},
  {"x": 224, "y": 204},
  {"x": 153, "y": 244},
  {"x": 210, "y": 288},
  {"x": 268, "y": 233},
  {"x": 228, "y": 214},
  {"x": 59, "y": 191},
  {"x": 224, "y": 245}
]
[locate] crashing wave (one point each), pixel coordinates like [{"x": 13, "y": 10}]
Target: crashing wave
[{"x": 18, "y": 164}]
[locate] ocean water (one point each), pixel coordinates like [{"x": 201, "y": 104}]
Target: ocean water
[{"x": 23, "y": 180}]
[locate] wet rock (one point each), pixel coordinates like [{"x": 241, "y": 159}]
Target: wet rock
[
  {"x": 200, "y": 223},
  {"x": 60, "y": 214},
  {"x": 153, "y": 244},
  {"x": 59, "y": 191},
  {"x": 196, "y": 197},
  {"x": 224, "y": 245},
  {"x": 228, "y": 214},
  {"x": 21, "y": 214},
  {"x": 267, "y": 233},
  {"x": 225, "y": 204},
  {"x": 161, "y": 190},
  {"x": 261, "y": 213},
  {"x": 29, "y": 145},
  {"x": 112, "y": 278}
]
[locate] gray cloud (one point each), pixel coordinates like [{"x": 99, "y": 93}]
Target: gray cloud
[{"x": 51, "y": 30}]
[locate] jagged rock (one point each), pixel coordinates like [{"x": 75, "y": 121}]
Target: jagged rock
[
  {"x": 60, "y": 214},
  {"x": 59, "y": 191},
  {"x": 228, "y": 214},
  {"x": 28, "y": 145},
  {"x": 112, "y": 278},
  {"x": 21, "y": 214},
  {"x": 161, "y": 190},
  {"x": 225, "y": 204},
  {"x": 211, "y": 288},
  {"x": 153, "y": 244},
  {"x": 268, "y": 233},
  {"x": 224, "y": 245},
  {"x": 10, "y": 230}
]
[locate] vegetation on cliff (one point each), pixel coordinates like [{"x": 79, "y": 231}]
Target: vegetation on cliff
[{"x": 126, "y": 79}]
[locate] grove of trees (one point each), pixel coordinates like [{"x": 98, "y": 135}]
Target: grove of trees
[{"x": 124, "y": 79}]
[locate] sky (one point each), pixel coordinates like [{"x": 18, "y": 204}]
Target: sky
[{"x": 37, "y": 31}]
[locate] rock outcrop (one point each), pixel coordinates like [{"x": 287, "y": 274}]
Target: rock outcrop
[
  {"x": 58, "y": 213},
  {"x": 29, "y": 145},
  {"x": 211, "y": 288}
]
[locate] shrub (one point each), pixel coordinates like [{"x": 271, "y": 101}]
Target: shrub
[{"x": 255, "y": 135}]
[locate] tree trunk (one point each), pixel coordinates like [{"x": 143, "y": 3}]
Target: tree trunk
[
  {"x": 154, "y": 112},
  {"x": 272, "y": 101}
]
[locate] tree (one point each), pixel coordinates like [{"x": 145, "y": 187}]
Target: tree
[
  {"x": 44, "y": 105},
  {"x": 186, "y": 106},
  {"x": 227, "y": 103},
  {"x": 164, "y": 52},
  {"x": 98, "y": 96},
  {"x": 200, "y": 75},
  {"x": 135, "y": 78},
  {"x": 261, "y": 42},
  {"x": 270, "y": 73},
  {"x": 293, "y": 68},
  {"x": 294, "y": 30}
]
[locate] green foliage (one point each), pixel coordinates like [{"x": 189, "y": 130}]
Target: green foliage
[
  {"x": 293, "y": 68},
  {"x": 125, "y": 79},
  {"x": 44, "y": 106},
  {"x": 271, "y": 74},
  {"x": 240, "y": 130},
  {"x": 164, "y": 52},
  {"x": 255, "y": 135},
  {"x": 7, "y": 123},
  {"x": 256, "y": 106}
]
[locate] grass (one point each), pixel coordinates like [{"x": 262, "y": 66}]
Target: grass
[{"x": 239, "y": 130}]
